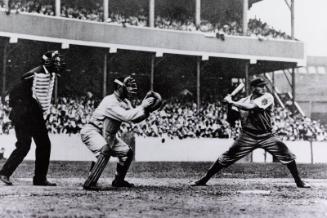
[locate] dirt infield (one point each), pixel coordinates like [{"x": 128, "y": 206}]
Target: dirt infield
[
  {"x": 162, "y": 190},
  {"x": 166, "y": 197}
]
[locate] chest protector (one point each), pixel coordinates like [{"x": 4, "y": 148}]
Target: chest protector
[{"x": 42, "y": 89}]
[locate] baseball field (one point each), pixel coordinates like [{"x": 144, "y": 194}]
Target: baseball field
[{"x": 162, "y": 190}]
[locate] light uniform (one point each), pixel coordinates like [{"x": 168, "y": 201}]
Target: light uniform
[
  {"x": 105, "y": 123},
  {"x": 257, "y": 133}
]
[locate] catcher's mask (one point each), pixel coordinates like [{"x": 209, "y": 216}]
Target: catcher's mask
[
  {"x": 53, "y": 61},
  {"x": 129, "y": 86}
]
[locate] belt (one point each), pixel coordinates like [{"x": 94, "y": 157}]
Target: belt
[
  {"x": 256, "y": 132},
  {"x": 95, "y": 126}
]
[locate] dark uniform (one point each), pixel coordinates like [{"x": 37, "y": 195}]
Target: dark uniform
[
  {"x": 257, "y": 133},
  {"x": 255, "y": 111},
  {"x": 30, "y": 101}
]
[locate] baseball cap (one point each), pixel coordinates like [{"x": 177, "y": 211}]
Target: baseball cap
[{"x": 258, "y": 82}]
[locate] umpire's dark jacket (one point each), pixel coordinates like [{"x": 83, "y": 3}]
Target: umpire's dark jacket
[
  {"x": 25, "y": 109},
  {"x": 27, "y": 117}
]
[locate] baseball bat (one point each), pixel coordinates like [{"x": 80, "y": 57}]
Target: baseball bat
[{"x": 237, "y": 89}]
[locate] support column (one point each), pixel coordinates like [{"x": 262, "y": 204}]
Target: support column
[
  {"x": 104, "y": 85},
  {"x": 311, "y": 149},
  {"x": 293, "y": 87},
  {"x": 245, "y": 16},
  {"x": 247, "y": 92},
  {"x": 198, "y": 82},
  {"x": 105, "y": 10},
  {"x": 292, "y": 20},
  {"x": 58, "y": 8},
  {"x": 197, "y": 13},
  {"x": 273, "y": 81},
  {"x": 153, "y": 57},
  {"x": 56, "y": 90},
  {"x": 151, "y": 13},
  {"x": 4, "y": 67},
  {"x": 246, "y": 72}
]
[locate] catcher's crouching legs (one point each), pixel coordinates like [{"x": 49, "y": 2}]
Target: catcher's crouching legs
[
  {"x": 98, "y": 168},
  {"x": 121, "y": 170}
]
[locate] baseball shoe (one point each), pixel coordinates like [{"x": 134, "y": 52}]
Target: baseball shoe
[
  {"x": 122, "y": 183},
  {"x": 5, "y": 179},
  {"x": 198, "y": 183},
  {"x": 92, "y": 188},
  {"x": 303, "y": 185},
  {"x": 97, "y": 187},
  {"x": 43, "y": 183}
]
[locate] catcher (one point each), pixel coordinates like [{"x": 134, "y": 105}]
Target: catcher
[
  {"x": 99, "y": 135},
  {"x": 256, "y": 110}
]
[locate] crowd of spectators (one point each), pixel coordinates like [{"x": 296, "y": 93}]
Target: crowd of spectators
[
  {"x": 68, "y": 115},
  {"x": 181, "y": 120},
  {"x": 45, "y": 7},
  {"x": 93, "y": 14},
  {"x": 5, "y": 123},
  {"x": 175, "y": 120},
  {"x": 261, "y": 29},
  {"x": 256, "y": 27},
  {"x": 297, "y": 127}
]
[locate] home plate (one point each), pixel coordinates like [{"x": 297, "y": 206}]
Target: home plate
[{"x": 255, "y": 192}]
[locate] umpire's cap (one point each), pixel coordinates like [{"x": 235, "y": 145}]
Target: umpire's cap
[{"x": 258, "y": 82}]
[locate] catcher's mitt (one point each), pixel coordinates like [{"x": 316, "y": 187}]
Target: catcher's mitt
[{"x": 157, "y": 101}]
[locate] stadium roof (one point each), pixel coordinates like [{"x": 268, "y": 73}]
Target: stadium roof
[
  {"x": 315, "y": 65},
  {"x": 317, "y": 60},
  {"x": 251, "y": 2}
]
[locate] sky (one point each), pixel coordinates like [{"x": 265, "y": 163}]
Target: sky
[{"x": 310, "y": 21}]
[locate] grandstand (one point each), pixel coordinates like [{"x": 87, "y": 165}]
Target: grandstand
[
  {"x": 235, "y": 56},
  {"x": 207, "y": 65},
  {"x": 193, "y": 52}
]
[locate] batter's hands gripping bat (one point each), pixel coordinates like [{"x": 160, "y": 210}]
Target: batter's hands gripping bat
[
  {"x": 233, "y": 115},
  {"x": 234, "y": 92}
]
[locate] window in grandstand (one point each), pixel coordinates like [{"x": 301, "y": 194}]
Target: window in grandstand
[
  {"x": 311, "y": 70},
  {"x": 321, "y": 70},
  {"x": 302, "y": 70}
]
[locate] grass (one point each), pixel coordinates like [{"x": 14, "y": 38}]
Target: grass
[{"x": 70, "y": 169}]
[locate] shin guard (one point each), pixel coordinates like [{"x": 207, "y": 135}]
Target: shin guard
[
  {"x": 97, "y": 170},
  {"x": 121, "y": 170}
]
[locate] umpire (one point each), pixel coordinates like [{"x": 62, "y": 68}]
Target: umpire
[
  {"x": 256, "y": 110},
  {"x": 30, "y": 101}
]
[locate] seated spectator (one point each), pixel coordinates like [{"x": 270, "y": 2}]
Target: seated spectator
[{"x": 176, "y": 21}]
